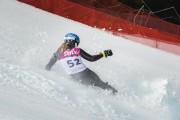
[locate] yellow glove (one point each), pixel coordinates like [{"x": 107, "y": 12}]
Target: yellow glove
[{"x": 106, "y": 53}]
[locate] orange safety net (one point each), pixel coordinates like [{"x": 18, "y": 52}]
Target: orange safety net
[
  {"x": 115, "y": 17},
  {"x": 116, "y": 8}
]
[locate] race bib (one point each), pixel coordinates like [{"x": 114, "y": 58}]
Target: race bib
[{"x": 71, "y": 61}]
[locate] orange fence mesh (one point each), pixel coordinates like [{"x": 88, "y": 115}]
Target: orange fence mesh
[
  {"x": 116, "y": 8},
  {"x": 114, "y": 17}
]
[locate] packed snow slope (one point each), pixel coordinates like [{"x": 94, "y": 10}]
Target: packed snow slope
[{"x": 147, "y": 79}]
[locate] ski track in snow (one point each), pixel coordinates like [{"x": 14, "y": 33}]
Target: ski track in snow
[{"x": 147, "y": 79}]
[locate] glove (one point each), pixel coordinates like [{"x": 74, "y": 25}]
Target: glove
[{"x": 107, "y": 53}]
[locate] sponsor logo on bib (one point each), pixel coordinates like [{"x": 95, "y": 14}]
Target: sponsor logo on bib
[{"x": 70, "y": 53}]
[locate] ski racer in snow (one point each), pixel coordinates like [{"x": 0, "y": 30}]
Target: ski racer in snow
[{"x": 70, "y": 57}]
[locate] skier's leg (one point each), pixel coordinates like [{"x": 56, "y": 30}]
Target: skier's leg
[
  {"x": 105, "y": 86},
  {"x": 96, "y": 81},
  {"x": 82, "y": 77},
  {"x": 88, "y": 77}
]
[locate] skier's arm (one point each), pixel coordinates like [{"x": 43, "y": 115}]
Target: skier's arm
[
  {"x": 90, "y": 57},
  {"x": 93, "y": 58},
  {"x": 51, "y": 62}
]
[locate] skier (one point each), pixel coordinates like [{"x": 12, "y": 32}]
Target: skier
[{"x": 70, "y": 57}]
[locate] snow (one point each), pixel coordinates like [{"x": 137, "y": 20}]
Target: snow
[{"x": 147, "y": 79}]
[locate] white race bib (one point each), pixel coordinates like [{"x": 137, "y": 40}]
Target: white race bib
[{"x": 71, "y": 61}]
